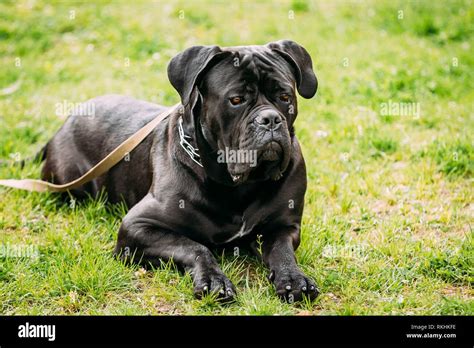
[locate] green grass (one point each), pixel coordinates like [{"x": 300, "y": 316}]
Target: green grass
[{"x": 388, "y": 218}]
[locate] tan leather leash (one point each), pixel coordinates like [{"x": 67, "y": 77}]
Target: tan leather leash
[{"x": 100, "y": 168}]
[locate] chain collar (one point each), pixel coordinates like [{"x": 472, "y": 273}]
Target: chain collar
[{"x": 190, "y": 150}]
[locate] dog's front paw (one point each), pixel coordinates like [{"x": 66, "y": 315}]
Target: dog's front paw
[
  {"x": 291, "y": 285},
  {"x": 214, "y": 282}
]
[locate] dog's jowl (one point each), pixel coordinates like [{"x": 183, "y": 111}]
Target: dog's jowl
[{"x": 185, "y": 197}]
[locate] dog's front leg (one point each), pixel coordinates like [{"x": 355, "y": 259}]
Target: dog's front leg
[
  {"x": 278, "y": 252},
  {"x": 139, "y": 241}
]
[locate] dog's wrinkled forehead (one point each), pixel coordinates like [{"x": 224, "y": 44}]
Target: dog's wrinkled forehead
[
  {"x": 259, "y": 58},
  {"x": 249, "y": 64}
]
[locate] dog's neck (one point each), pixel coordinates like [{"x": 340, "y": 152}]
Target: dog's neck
[
  {"x": 184, "y": 142},
  {"x": 197, "y": 144}
]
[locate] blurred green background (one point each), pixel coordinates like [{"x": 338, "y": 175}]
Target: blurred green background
[{"x": 388, "y": 218}]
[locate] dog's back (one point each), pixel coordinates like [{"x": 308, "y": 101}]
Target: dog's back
[{"x": 89, "y": 134}]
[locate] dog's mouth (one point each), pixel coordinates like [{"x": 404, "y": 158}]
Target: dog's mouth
[
  {"x": 267, "y": 162},
  {"x": 271, "y": 152}
]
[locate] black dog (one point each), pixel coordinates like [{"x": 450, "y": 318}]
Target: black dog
[{"x": 185, "y": 195}]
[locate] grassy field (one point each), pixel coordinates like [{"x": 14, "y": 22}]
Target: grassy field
[{"x": 388, "y": 143}]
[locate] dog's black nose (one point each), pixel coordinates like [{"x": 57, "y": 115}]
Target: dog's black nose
[{"x": 268, "y": 119}]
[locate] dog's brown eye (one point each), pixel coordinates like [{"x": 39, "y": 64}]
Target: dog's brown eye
[
  {"x": 236, "y": 100},
  {"x": 285, "y": 98}
]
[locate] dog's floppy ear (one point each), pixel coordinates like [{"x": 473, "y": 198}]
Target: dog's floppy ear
[
  {"x": 185, "y": 69},
  {"x": 300, "y": 59}
]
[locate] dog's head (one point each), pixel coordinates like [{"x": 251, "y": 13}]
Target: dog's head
[{"x": 245, "y": 103}]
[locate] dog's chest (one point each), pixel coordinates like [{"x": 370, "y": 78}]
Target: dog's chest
[
  {"x": 244, "y": 230},
  {"x": 233, "y": 231}
]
